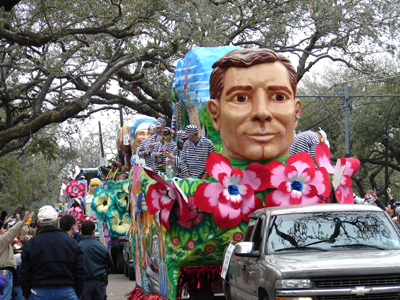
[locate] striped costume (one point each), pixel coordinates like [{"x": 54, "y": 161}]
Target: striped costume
[
  {"x": 145, "y": 146},
  {"x": 305, "y": 141},
  {"x": 193, "y": 157},
  {"x": 171, "y": 146}
]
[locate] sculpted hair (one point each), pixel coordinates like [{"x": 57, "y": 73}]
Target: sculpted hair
[
  {"x": 66, "y": 222},
  {"x": 245, "y": 58},
  {"x": 88, "y": 227}
]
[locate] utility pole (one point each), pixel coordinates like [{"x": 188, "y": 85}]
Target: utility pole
[
  {"x": 346, "y": 91},
  {"x": 101, "y": 141}
]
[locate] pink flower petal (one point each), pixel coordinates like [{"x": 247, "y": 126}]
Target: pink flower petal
[
  {"x": 301, "y": 161},
  {"x": 352, "y": 166},
  {"x": 276, "y": 198},
  {"x": 346, "y": 181},
  {"x": 257, "y": 176},
  {"x": 153, "y": 196},
  {"x": 235, "y": 200},
  {"x": 250, "y": 205},
  {"x": 206, "y": 196},
  {"x": 344, "y": 195},
  {"x": 222, "y": 178},
  {"x": 225, "y": 216},
  {"x": 223, "y": 197},
  {"x": 321, "y": 182},
  {"x": 277, "y": 171},
  {"x": 285, "y": 187},
  {"x": 323, "y": 157},
  {"x": 245, "y": 190},
  {"x": 236, "y": 175},
  {"x": 164, "y": 217},
  {"x": 295, "y": 197},
  {"x": 216, "y": 164}
]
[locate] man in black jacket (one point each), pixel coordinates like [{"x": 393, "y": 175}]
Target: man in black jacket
[
  {"x": 53, "y": 264},
  {"x": 97, "y": 261}
]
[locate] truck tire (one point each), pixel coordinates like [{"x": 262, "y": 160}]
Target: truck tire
[
  {"x": 120, "y": 263},
  {"x": 202, "y": 293},
  {"x": 132, "y": 274}
]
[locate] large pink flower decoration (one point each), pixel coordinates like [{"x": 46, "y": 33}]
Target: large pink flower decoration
[
  {"x": 162, "y": 196},
  {"x": 75, "y": 189},
  {"x": 77, "y": 212},
  {"x": 341, "y": 174},
  {"x": 298, "y": 182},
  {"x": 232, "y": 198}
]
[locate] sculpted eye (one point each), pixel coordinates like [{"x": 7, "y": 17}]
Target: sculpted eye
[
  {"x": 281, "y": 97},
  {"x": 240, "y": 98}
]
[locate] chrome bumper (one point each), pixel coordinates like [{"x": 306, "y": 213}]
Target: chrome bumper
[{"x": 358, "y": 290}]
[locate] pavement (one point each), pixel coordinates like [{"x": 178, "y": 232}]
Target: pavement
[{"x": 118, "y": 286}]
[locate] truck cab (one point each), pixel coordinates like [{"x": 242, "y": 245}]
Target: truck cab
[{"x": 315, "y": 252}]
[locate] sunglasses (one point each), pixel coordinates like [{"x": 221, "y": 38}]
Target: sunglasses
[{"x": 166, "y": 133}]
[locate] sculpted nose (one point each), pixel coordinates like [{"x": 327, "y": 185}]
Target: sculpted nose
[{"x": 260, "y": 108}]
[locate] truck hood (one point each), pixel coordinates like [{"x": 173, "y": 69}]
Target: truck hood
[{"x": 311, "y": 264}]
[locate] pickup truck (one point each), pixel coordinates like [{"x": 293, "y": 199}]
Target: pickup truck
[{"x": 315, "y": 252}]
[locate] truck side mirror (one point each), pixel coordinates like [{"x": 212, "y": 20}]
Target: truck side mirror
[{"x": 246, "y": 249}]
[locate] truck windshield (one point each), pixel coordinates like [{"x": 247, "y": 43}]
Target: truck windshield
[{"x": 323, "y": 231}]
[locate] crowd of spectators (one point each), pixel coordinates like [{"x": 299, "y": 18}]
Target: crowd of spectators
[{"x": 58, "y": 258}]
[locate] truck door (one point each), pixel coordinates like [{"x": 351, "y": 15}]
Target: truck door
[{"x": 247, "y": 266}]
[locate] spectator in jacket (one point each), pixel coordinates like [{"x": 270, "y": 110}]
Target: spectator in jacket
[
  {"x": 53, "y": 264},
  {"x": 68, "y": 224},
  {"x": 97, "y": 261},
  {"x": 7, "y": 259}
]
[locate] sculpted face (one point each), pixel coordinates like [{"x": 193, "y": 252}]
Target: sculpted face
[
  {"x": 141, "y": 135},
  {"x": 257, "y": 113}
]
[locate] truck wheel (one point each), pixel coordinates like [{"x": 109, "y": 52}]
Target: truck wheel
[
  {"x": 202, "y": 293},
  {"x": 126, "y": 270},
  {"x": 132, "y": 274},
  {"x": 120, "y": 263}
]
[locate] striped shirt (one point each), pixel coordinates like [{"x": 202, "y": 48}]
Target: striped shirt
[
  {"x": 144, "y": 146},
  {"x": 193, "y": 158},
  {"x": 171, "y": 146},
  {"x": 305, "y": 141}
]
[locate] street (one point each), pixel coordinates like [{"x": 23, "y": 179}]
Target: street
[{"x": 118, "y": 286}]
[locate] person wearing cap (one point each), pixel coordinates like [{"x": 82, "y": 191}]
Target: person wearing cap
[
  {"x": 7, "y": 258},
  {"x": 53, "y": 264},
  {"x": 181, "y": 137},
  {"x": 194, "y": 154},
  {"x": 161, "y": 150},
  {"x": 307, "y": 141},
  {"x": 97, "y": 261},
  {"x": 144, "y": 148}
]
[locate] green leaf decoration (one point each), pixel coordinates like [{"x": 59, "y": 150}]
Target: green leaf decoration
[{"x": 184, "y": 185}]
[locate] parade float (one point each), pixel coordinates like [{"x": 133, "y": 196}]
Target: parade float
[{"x": 180, "y": 227}]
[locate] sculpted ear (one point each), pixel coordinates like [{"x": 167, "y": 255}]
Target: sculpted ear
[
  {"x": 297, "y": 108},
  {"x": 213, "y": 109}
]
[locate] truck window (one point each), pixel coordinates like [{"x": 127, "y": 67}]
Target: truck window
[
  {"x": 249, "y": 230},
  {"x": 257, "y": 234},
  {"x": 332, "y": 231}
]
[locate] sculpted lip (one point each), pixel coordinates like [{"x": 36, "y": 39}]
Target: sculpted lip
[{"x": 261, "y": 138}]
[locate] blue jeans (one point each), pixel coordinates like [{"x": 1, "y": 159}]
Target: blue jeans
[
  {"x": 9, "y": 285},
  {"x": 17, "y": 293},
  {"x": 53, "y": 293}
]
